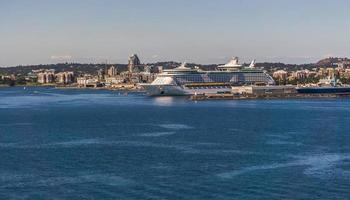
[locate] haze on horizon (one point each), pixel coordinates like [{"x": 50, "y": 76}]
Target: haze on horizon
[{"x": 200, "y": 31}]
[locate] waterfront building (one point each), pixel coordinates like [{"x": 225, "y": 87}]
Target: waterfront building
[
  {"x": 259, "y": 90},
  {"x": 46, "y": 77},
  {"x": 65, "y": 77},
  {"x": 114, "y": 80},
  {"x": 87, "y": 81}
]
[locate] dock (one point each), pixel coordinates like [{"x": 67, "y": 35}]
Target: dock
[
  {"x": 231, "y": 96},
  {"x": 201, "y": 97},
  {"x": 265, "y": 92}
]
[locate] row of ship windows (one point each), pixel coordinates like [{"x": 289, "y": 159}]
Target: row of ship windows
[
  {"x": 208, "y": 87},
  {"x": 250, "y": 78}
]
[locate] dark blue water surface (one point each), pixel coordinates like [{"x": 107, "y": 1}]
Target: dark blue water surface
[{"x": 94, "y": 144}]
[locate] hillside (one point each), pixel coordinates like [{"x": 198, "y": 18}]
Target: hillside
[{"x": 331, "y": 61}]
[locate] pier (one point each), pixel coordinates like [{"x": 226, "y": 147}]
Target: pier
[
  {"x": 268, "y": 92},
  {"x": 201, "y": 97}
]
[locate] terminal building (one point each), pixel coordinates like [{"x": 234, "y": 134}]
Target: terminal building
[{"x": 260, "y": 90}]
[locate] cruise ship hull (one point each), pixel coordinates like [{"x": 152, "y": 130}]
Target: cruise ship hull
[
  {"x": 164, "y": 90},
  {"x": 173, "y": 90}
]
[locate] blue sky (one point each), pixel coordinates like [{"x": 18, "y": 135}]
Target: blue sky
[{"x": 201, "y": 31}]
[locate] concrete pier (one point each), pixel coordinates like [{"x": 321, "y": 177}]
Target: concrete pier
[{"x": 200, "y": 97}]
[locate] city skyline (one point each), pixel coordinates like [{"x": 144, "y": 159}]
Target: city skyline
[{"x": 40, "y": 32}]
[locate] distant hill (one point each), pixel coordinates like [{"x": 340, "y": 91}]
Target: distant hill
[
  {"x": 331, "y": 61},
  {"x": 271, "y": 67},
  {"x": 79, "y": 68}
]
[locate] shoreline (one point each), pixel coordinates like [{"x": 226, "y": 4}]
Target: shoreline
[
  {"x": 124, "y": 89},
  {"x": 206, "y": 97},
  {"x": 101, "y": 88}
]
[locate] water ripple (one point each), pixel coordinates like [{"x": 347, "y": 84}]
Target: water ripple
[
  {"x": 321, "y": 166},
  {"x": 157, "y": 134},
  {"x": 9, "y": 180},
  {"x": 175, "y": 126}
]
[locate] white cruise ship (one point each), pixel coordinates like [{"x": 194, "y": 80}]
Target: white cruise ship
[{"x": 186, "y": 81}]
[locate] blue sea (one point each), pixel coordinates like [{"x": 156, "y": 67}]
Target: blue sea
[{"x": 97, "y": 144}]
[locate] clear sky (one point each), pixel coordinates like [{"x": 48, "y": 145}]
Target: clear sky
[{"x": 201, "y": 31}]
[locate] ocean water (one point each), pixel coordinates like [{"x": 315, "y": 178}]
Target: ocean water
[{"x": 95, "y": 144}]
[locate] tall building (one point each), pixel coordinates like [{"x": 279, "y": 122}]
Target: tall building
[
  {"x": 133, "y": 63},
  {"x": 112, "y": 71},
  {"x": 101, "y": 74},
  {"x": 280, "y": 74},
  {"x": 41, "y": 78},
  {"x": 46, "y": 77},
  {"x": 65, "y": 77}
]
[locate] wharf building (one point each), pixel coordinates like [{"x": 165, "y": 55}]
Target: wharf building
[
  {"x": 88, "y": 81},
  {"x": 49, "y": 76},
  {"x": 261, "y": 90}
]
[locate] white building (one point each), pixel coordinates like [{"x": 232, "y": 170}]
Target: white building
[
  {"x": 65, "y": 77},
  {"x": 46, "y": 77},
  {"x": 280, "y": 74},
  {"x": 87, "y": 81},
  {"x": 114, "y": 80}
]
